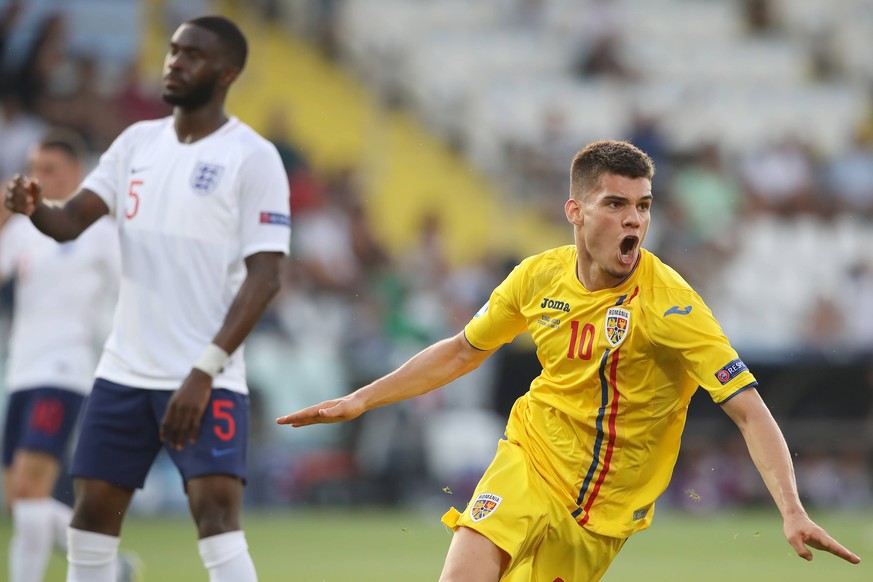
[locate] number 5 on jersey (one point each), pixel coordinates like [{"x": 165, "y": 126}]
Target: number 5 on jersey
[{"x": 132, "y": 199}]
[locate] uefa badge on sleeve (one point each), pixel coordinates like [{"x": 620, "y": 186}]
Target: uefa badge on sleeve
[
  {"x": 617, "y": 325},
  {"x": 484, "y": 505}
]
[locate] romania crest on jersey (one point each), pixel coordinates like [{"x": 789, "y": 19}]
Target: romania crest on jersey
[
  {"x": 484, "y": 505},
  {"x": 617, "y": 325}
]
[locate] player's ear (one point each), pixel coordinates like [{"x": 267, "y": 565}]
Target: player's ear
[
  {"x": 229, "y": 75},
  {"x": 573, "y": 211}
]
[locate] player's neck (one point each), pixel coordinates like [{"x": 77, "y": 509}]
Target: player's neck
[{"x": 195, "y": 124}]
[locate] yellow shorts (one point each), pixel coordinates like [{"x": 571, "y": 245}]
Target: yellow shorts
[{"x": 515, "y": 508}]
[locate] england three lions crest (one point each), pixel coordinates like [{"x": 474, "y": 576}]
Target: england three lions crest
[
  {"x": 617, "y": 325},
  {"x": 205, "y": 178}
]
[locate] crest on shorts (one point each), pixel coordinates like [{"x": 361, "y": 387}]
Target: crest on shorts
[
  {"x": 484, "y": 506},
  {"x": 617, "y": 325},
  {"x": 205, "y": 178}
]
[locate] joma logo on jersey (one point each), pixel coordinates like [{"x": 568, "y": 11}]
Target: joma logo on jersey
[
  {"x": 552, "y": 304},
  {"x": 205, "y": 178},
  {"x": 617, "y": 325},
  {"x": 484, "y": 506}
]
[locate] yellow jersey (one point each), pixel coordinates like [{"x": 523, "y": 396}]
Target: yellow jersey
[{"x": 603, "y": 421}]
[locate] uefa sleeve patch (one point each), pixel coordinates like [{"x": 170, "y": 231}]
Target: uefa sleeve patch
[
  {"x": 275, "y": 218},
  {"x": 730, "y": 371}
]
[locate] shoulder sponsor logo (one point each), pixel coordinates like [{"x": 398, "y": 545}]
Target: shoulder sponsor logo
[
  {"x": 676, "y": 311},
  {"x": 550, "y": 322},
  {"x": 275, "y": 218},
  {"x": 555, "y": 304},
  {"x": 205, "y": 178},
  {"x": 484, "y": 505},
  {"x": 730, "y": 371},
  {"x": 617, "y": 325}
]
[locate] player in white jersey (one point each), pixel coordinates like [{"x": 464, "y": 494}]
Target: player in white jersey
[
  {"x": 62, "y": 292},
  {"x": 202, "y": 206}
]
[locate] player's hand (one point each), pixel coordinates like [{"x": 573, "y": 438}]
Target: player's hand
[
  {"x": 336, "y": 410},
  {"x": 23, "y": 195},
  {"x": 802, "y": 532},
  {"x": 181, "y": 423}
]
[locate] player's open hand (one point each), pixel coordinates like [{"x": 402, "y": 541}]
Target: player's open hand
[
  {"x": 23, "y": 195},
  {"x": 181, "y": 423},
  {"x": 802, "y": 532},
  {"x": 336, "y": 410}
]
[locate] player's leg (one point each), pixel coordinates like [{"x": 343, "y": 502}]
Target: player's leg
[
  {"x": 118, "y": 442},
  {"x": 502, "y": 525},
  {"x": 214, "y": 470},
  {"x": 38, "y": 427},
  {"x": 216, "y": 505},
  {"x": 94, "y": 533},
  {"x": 473, "y": 558},
  {"x": 29, "y": 481},
  {"x": 570, "y": 552}
]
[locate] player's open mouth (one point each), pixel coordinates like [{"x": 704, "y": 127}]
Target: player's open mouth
[{"x": 627, "y": 249}]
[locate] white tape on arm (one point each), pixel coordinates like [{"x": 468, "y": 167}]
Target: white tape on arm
[{"x": 212, "y": 360}]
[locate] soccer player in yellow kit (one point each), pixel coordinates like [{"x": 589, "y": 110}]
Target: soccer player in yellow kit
[{"x": 624, "y": 343}]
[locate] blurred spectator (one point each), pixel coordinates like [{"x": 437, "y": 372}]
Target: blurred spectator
[
  {"x": 781, "y": 178},
  {"x": 709, "y": 198},
  {"x": 137, "y": 102},
  {"x": 858, "y": 313},
  {"x": 18, "y": 131},
  {"x": 759, "y": 16},
  {"x": 306, "y": 189},
  {"x": 647, "y": 134},
  {"x": 33, "y": 75},
  {"x": 850, "y": 177}
]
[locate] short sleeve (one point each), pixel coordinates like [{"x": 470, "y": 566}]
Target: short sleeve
[
  {"x": 103, "y": 180},
  {"x": 499, "y": 320},
  {"x": 265, "y": 214},
  {"x": 687, "y": 328}
]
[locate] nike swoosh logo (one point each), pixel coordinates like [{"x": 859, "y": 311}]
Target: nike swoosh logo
[
  {"x": 675, "y": 309},
  {"x": 222, "y": 452},
  {"x": 138, "y": 170}
]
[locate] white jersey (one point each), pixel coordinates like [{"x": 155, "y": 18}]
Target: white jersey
[
  {"x": 63, "y": 295},
  {"x": 188, "y": 215}
]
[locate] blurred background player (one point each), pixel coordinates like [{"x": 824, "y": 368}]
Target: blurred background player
[
  {"x": 202, "y": 205},
  {"x": 62, "y": 294}
]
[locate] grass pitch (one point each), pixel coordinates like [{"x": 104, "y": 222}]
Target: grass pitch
[{"x": 384, "y": 546}]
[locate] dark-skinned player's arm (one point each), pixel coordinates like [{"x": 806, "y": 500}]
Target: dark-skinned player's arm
[
  {"x": 181, "y": 423},
  {"x": 431, "y": 368},
  {"x": 771, "y": 456},
  {"x": 61, "y": 221}
]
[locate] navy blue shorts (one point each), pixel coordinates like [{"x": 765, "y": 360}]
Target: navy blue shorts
[
  {"x": 120, "y": 436},
  {"x": 40, "y": 419}
]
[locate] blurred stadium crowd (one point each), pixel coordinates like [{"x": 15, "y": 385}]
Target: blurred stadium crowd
[{"x": 758, "y": 113}]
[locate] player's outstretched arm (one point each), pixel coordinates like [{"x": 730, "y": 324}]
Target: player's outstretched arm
[
  {"x": 62, "y": 222},
  {"x": 771, "y": 456},
  {"x": 431, "y": 368}
]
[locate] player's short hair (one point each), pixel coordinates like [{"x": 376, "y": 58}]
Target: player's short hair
[
  {"x": 65, "y": 140},
  {"x": 608, "y": 157},
  {"x": 229, "y": 33}
]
